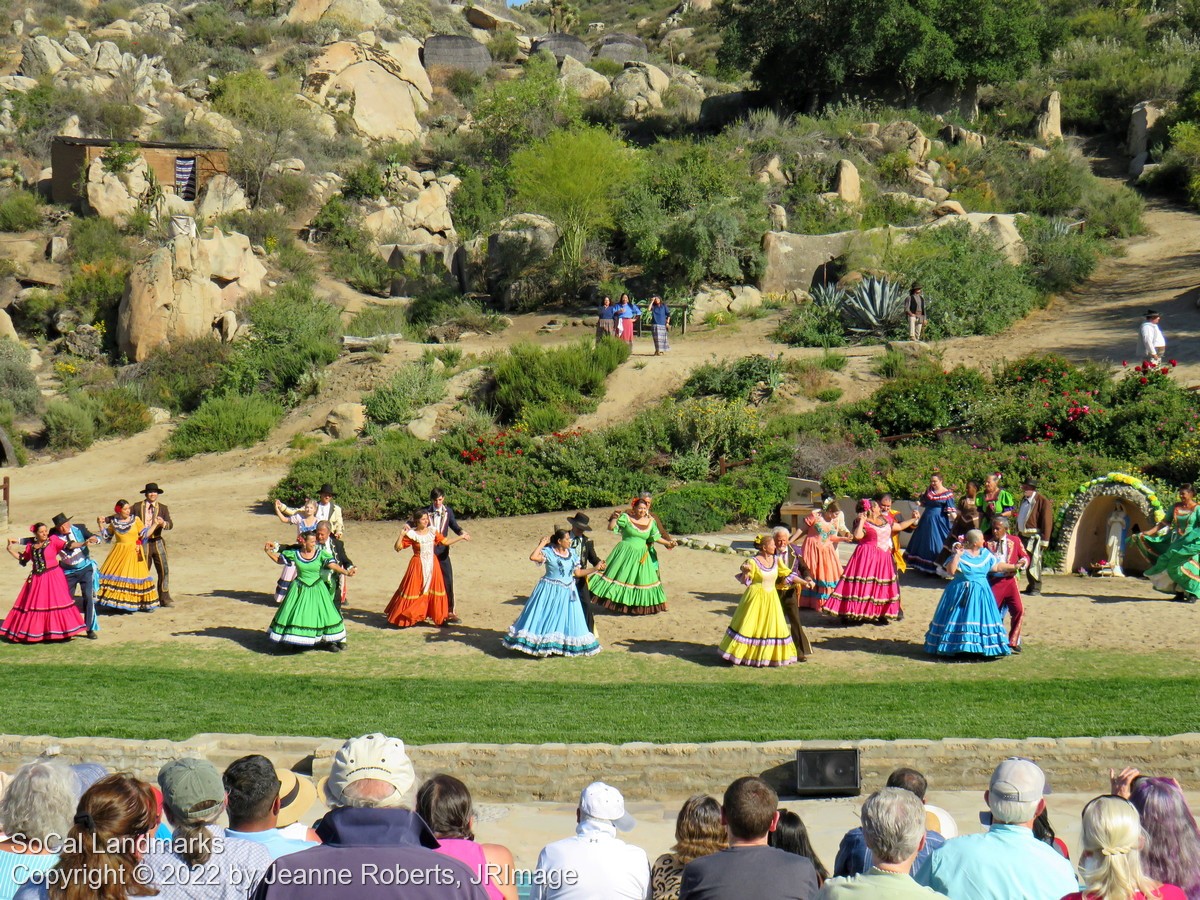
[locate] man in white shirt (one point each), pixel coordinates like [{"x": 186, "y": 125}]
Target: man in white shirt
[
  {"x": 594, "y": 864},
  {"x": 1153, "y": 344}
]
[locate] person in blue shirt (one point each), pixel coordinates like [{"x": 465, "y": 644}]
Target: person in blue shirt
[
  {"x": 606, "y": 319},
  {"x": 854, "y": 856},
  {"x": 627, "y": 312},
  {"x": 1007, "y": 862},
  {"x": 660, "y": 316},
  {"x": 253, "y": 805}
]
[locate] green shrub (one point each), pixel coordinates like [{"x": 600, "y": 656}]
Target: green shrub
[
  {"x": 609, "y": 68},
  {"x": 410, "y": 389},
  {"x": 828, "y": 395},
  {"x": 694, "y": 508},
  {"x": 811, "y": 325},
  {"x": 290, "y": 190},
  {"x": 463, "y": 84},
  {"x": 362, "y": 269},
  {"x": 832, "y": 361},
  {"x": 95, "y": 290},
  {"x": 733, "y": 380},
  {"x": 570, "y": 379},
  {"x": 544, "y": 419},
  {"x": 372, "y": 321},
  {"x": 363, "y": 182},
  {"x": 477, "y": 203},
  {"x": 17, "y": 382},
  {"x": 265, "y": 227},
  {"x": 181, "y": 376},
  {"x": 122, "y": 412},
  {"x": 19, "y": 211},
  {"x": 918, "y": 403},
  {"x": 94, "y": 239},
  {"x": 223, "y": 423},
  {"x": 1112, "y": 210},
  {"x": 504, "y": 46},
  {"x": 1058, "y": 257},
  {"x": 70, "y": 424}
]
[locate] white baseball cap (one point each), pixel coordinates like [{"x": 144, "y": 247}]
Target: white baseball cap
[
  {"x": 374, "y": 756},
  {"x": 603, "y": 801}
]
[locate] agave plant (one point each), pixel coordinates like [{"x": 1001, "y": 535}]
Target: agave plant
[
  {"x": 828, "y": 295},
  {"x": 874, "y": 306}
]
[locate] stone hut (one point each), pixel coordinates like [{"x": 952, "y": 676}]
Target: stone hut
[
  {"x": 563, "y": 45},
  {"x": 455, "y": 51},
  {"x": 621, "y": 48},
  {"x": 181, "y": 169}
]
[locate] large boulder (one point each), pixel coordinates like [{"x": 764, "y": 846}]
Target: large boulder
[
  {"x": 519, "y": 242},
  {"x": 587, "y": 83},
  {"x": 367, "y": 13},
  {"x": 846, "y": 183},
  {"x": 621, "y": 48},
  {"x": 642, "y": 85},
  {"x": 953, "y": 134},
  {"x": 791, "y": 260},
  {"x": 346, "y": 420},
  {"x": 455, "y": 51},
  {"x": 385, "y": 88},
  {"x": 905, "y": 136},
  {"x": 179, "y": 290},
  {"x": 42, "y": 55},
  {"x": 562, "y": 45},
  {"x": 116, "y": 195},
  {"x": 423, "y": 219},
  {"x": 1048, "y": 126},
  {"x": 488, "y": 19},
  {"x": 1141, "y": 120},
  {"x": 221, "y": 196}
]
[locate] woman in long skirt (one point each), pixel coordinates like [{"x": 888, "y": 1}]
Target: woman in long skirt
[
  {"x": 967, "y": 619},
  {"x": 552, "y": 622},
  {"x": 422, "y": 592},
  {"x": 606, "y": 319},
  {"x": 821, "y": 534},
  {"x": 759, "y": 634},
  {"x": 660, "y": 321},
  {"x": 926, "y": 542},
  {"x": 1173, "y": 550},
  {"x": 305, "y": 520},
  {"x": 892, "y": 517},
  {"x": 44, "y": 610},
  {"x": 125, "y": 582},
  {"x": 869, "y": 590},
  {"x": 309, "y": 615},
  {"x": 630, "y": 583}
]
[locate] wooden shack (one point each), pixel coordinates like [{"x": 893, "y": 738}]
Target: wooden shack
[{"x": 182, "y": 169}]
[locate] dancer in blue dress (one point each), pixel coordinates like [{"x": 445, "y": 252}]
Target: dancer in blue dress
[
  {"x": 967, "y": 619},
  {"x": 930, "y": 534},
  {"x": 552, "y": 623}
]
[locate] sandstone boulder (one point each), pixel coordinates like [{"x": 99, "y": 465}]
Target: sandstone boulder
[
  {"x": 793, "y": 259},
  {"x": 179, "y": 290},
  {"x": 1142, "y": 119},
  {"x": 1048, "y": 126},
  {"x": 42, "y": 55},
  {"x": 77, "y": 44},
  {"x": 846, "y": 183},
  {"x": 489, "y": 19},
  {"x": 779, "y": 217},
  {"x": 953, "y": 134},
  {"x": 425, "y": 219},
  {"x": 745, "y": 298},
  {"x": 642, "y": 85},
  {"x": 346, "y": 420},
  {"x": 116, "y": 196},
  {"x": 904, "y": 135},
  {"x": 587, "y": 83},
  {"x": 7, "y": 331},
  {"x": 221, "y": 196},
  {"x": 711, "y": 300},
  {"x": 519, "y": 242},
  {"x": 949, "y": 208},
  {"x": 1000, "y": 227}
]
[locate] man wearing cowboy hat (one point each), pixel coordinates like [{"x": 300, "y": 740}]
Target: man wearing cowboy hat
[
  {"x": 586, "y": 551},
  {"x": 257, "y": 794},
  {"x": 158, "y": 519},
  {"x": 79, "y": 567},
  {"x": 327, "y": 510}
]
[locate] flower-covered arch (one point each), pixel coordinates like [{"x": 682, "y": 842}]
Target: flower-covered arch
[{"x": 1082, "y": 524}]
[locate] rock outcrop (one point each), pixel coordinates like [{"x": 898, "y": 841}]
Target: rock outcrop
[
  {"x": 221, "y": 196},
  {"x": 382, "y": 88},
  {"x": 587, "y": 83},
  {"x": 1048, "y": 126},
  {"x": 116, "y": 195},
  {"x": 846, "y": 183},
  {"x": 904, "y": 135},
  {"x": 179, "y": 290},
  {"x": 424, "y": 218},
  {"x": 367, "y": 13},
  {"x": 519, "y": 242},
  {"x": 642, "y": 85}
]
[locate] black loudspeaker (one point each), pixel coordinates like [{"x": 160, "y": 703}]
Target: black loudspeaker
[{"x": 827, "y": 773}]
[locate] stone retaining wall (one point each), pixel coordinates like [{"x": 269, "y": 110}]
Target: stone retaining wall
[{"x": 525, "y": 772}]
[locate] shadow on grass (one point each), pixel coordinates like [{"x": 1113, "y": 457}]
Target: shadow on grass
[
  {"x": 482, "y": 639},
  {"x": 250, "y": 638},
  {"x": 258, "y": 598},
  {"x": 701, "y": 654},
  {"x": 867, "y": 643}
]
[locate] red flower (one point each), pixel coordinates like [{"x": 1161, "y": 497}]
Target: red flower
[
  {"x": 1124, "y": 362},
  {"x": 1172, "y": 362},
  {"x": 1144, "y": 380}
]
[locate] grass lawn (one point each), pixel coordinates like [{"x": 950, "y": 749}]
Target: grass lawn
[{"x": 159, "y": 691}]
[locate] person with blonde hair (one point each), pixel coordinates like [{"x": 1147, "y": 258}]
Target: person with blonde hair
[
  {"x": 759, "y": 634},
  {"x": 36, "y": 812},
  {"x": 699, "y": 831},
  {"x": 1110, "y": 866}
]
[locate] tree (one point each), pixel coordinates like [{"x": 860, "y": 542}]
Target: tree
[
  {"x": 575, "y": 179},
  {"x": 513, "y": 114},
  {"x": 271, "y": 120},
  {"x": 805, "y": 51}
]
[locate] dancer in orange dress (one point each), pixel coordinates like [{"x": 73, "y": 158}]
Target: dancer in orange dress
[{"x": 422, "y": 593}]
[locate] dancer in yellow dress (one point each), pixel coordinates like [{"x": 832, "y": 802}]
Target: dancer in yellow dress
[
  {"x": 125, "y": 581},
  {"x": 759, "y": 634}
]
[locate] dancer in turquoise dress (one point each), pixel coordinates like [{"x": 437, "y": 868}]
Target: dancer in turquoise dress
[
  {"x": 967, "y": 619},
  {"x": 629, "y": 582},
  {"x": 309, "y": 616},
  {"x": 552, "y": 623}
]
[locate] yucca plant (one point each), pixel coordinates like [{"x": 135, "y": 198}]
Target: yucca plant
[
  {"x": 874, "y": 306},
  {"x": 828, "y": 295}
]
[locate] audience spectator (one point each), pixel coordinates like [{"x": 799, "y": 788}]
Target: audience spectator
[
  {"x": 5, "y": 781},
  {"x": 750, "y": 810},
  {"x": 894, "y": 830},
  {"x": 253, "y": 798},
  {"x": 371, "y": 836},
  {"x": 1172, "y": 853},
  {"x": 101, "y": 857},
  {"x": 445, "y": 804},
  {"x": 1110, "y": 863},
  {"x": 36, "y": 811},
  {"x": 1007, "y": 862},
  {"x": 1044, "y": 832},
  {"x": 87, "y": 774},
  {"x": 201, "y": 862},
  {"x": 297, "y": 796},
  {"x": 854, "y": 856},
  {"x": 699, "y": 831},
  {"x": 594, "y": 864},
  {"x": 791, "y": 836}
]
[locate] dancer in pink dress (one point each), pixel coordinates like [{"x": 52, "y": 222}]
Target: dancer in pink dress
[
  {"x": 45, "y": 609},
  {"x": 869, "y": 590}
]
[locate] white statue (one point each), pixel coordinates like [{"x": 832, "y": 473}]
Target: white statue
[{"x": 1115, "y": 537}]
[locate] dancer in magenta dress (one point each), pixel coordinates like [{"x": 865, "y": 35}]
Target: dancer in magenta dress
[
  {"x": 869, "y": 590},
  {"x": 45, "y": 610}
]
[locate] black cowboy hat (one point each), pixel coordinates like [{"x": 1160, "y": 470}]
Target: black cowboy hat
[
  {"x": 61, "y": 520},
  {"x": 152, "y": 488},
  {"x": 326, "y": 488},
  {"x": 580, "y": 521}
]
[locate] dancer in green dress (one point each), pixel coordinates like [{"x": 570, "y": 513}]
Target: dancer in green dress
[
  {"x": 309, "y": 616},
  {"x": 1174, "y": 550},
  {"x": 629, "y": 582}
]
